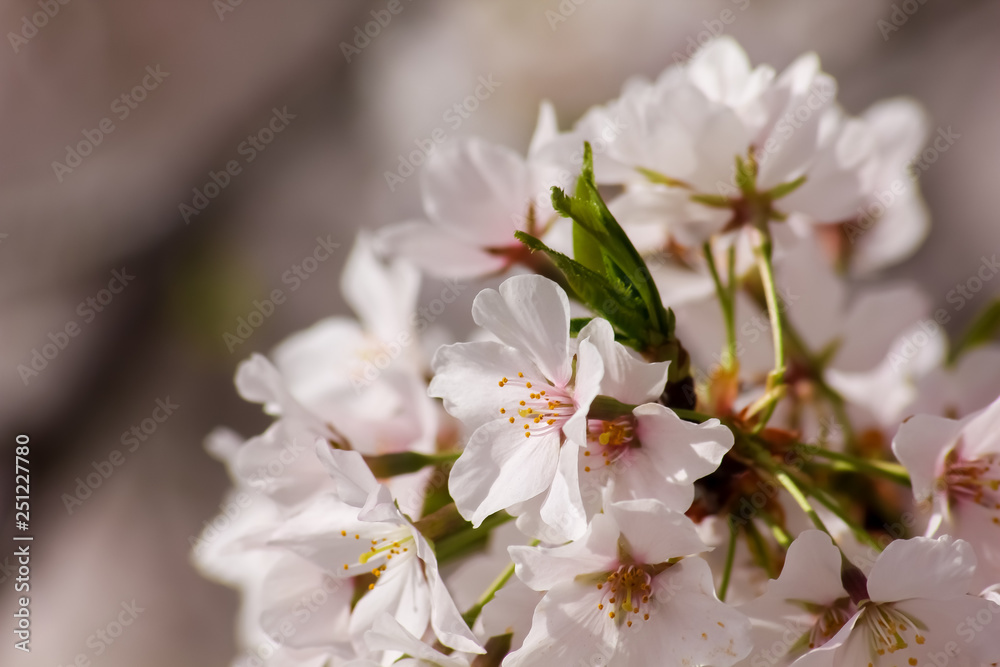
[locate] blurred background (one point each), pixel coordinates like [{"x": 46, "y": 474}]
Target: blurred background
[{"x": 119, "y": 254}]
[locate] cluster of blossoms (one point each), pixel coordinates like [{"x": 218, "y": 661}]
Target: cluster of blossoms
[{"x": 684, "y": 434}]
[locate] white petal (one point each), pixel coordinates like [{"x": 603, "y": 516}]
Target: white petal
[
  {"x": 500, "y": 467},
  {"x": 542, "y": 568},
  {"x": 687, "y": 625},
  {"x": 402, "y": 593},
  {"x": 446, "y": 619},
  {"x": 351, "y": 475},
  {"x": 530, "y": 313},
  {"x": 627, "y": 377},
  {"x": 921, "y": 445},
  {"x": 467, "y": 377},
  {"x": 673, "y": 453},
  {"x": 567, "y": 629},
  {"x": 654, "y": 534},
  {"x": 477, "y": 191},
  {"x": 589, "y": 373},
  {"x": 982, "y": 433},
  {"x": 388, "y": 635},
  {"x": 563, "y": 509},
  {"x": 876, "y": 319},
  {"x": 922, "y": 567},
  {"x": 383, "y": 295},
  {"x": 438, "y": 252}
]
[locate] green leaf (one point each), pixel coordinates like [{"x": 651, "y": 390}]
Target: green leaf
[
  {"x": 983, "y": 330},
  {"x": 588, "y": 210},
  {"x": 595, "y": 291}
]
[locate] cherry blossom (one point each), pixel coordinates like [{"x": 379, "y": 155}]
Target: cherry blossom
[
  {"x": 625, "y": 594},
  {"x": 955, "y": 469},
  {"x": 525, "y": 399},
  {"x": 914, "y": 610}
]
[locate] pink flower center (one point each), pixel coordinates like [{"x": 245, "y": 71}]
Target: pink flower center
[
  {"x": 611, "y": 440},
  {"x": 976, "y": 481},
  {"x": 537, "y": 406},
  {"x": 624, "y": 593},
  {"x": 830, "y": 622}
]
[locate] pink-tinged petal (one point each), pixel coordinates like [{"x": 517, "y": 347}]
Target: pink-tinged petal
[
  {"x": 649, "y": 208},
  {"x": 382, "y": 294},
  {"x": 921, "y": 445},
  {"x": 467, "y": 377},
  {"x": 530, "y": 313},
  {"x": 589, "y": 374},
  {"x": 563, "y": 509},
  {"x": 877, "y": 318},
  {"x": 970, "y": 385},
  {"x": 284, "y": 588},
  {"x": 627, "y": 377},
  {"x": 476, "y": 190},
  {"x": 543, "y": 568},
  {"x": 353, "y": 479},
  {"x": 922, "y": 567},
  {"x": 258, "y": 381},
  {"x": 501, "y": 467},
  {"x": 683, "y": 451},
  {"x": 687, "y": 624},
  {"x": 654, "y": 534},
  {"x": 329, "y": 533},
  {"x": 400, "y": 592},
  {"x": 446, "y": 619},
  {"x": 894, "y": 236},
  {"x": 381, "y": 508},
  {"x": 829, "y": 654},
  {"x": 811, "y": 571},
  {"x": 720, "y": 69},
  {"x": 567, "y": 629},
  {"x": 840, "y": 175},
  {"x": 546, "y": 129},
  {"x": 982, "y": 433},
  {"x": 977, "y": 525},
  {"x": 438, "y": 252},
  {"x": 673, "y": 453},
  {"x": 388, "y": 635},
  {"x": 812, "y": 294},
  {"x": 955, "y": 623}
]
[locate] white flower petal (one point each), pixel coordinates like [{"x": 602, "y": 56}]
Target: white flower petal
[
  {"x": 654, "y": 534},
  {"x": 627, "y": 377},
  {"x": 500, "y": 467},
  {"x": 922, "y": 567},
  {"x": 542, "y": 568},
  {"x": 530, "y": 313}
]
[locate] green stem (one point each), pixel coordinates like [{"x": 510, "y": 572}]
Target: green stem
[
  {"x": 763, "y": 252},
  {"x": 886, "y": 469},
  {"x": 725, "y": 294},
  {"x": 727, "y": 573},
  {"x": 777, "y": 377},
  {"x": 780, "y": 533},
  {"x": 473, "y": 613},
  {"x": 830, "y": 503}
]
